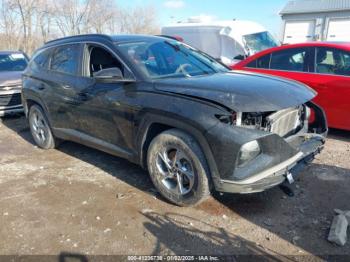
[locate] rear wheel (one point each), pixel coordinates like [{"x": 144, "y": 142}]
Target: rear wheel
[
  {"x": 40, "y": 129},
  {"x": 178, "y": 168}
]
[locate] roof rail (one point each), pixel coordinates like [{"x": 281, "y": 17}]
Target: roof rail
[{"x": 78, "y": 36}]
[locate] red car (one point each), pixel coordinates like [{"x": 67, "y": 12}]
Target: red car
[{"x": 323, "y": 66}]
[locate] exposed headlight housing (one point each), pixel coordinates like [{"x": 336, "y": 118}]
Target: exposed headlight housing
[{"x": 248, "y": 152}]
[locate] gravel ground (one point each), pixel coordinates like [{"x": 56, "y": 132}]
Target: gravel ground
[{"x": 76, "y": 200}]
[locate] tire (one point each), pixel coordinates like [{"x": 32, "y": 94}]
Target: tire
[
  {"x": 40, "y": 128},
  {"x": 178, "y": 168}
]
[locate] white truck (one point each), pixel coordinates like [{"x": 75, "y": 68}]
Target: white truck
[{"x": 227, "y": 41}]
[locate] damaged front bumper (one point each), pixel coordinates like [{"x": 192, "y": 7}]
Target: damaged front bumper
[
  {"x": 294, "y": 153},
  {"x": 277, "y": 174}
]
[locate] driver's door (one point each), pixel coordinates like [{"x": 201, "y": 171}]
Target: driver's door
[{"x": 104, "y": 112}]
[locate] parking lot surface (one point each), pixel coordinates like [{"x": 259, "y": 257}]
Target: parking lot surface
[{"x": 81, "y": 201}]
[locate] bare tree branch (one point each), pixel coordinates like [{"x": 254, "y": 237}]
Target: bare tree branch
[{"x": 27, "y": 24}]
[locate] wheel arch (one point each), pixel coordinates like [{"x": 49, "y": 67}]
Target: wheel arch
[
  {"x": 154, "y": 125},
  {"x": 29, "y": 103},
  {"x": 33, "y": 100}
]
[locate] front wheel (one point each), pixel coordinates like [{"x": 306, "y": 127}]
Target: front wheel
[
  {"x": 40, "y": 129},
  {"x": 178, "y": 168}
]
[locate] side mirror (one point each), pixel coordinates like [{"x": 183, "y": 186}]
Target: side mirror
[{"x": 113, "y": 73}]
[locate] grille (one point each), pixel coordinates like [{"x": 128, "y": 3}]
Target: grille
[
  {"x": 285, "y": 122},
  {"x": 10, "y": 100}
]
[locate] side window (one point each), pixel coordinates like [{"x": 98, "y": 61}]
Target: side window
[
  {"x": 64, "y": 59},
  {"x": 41, "y": 60},
  {"x": 262, "y": 62},
  {"x": 332, "y": 61},
  {"x": 290, "y": 60},
  {"x": 101, "y": 61},
  {"x": 252, "y": 64}
]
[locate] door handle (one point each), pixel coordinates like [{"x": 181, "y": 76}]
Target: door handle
[
  {"x": 83, "y": 96},
  {"x": 41, "y": 87}
]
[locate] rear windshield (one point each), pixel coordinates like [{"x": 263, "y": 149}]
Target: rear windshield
[{"x": 13, "y": 62}]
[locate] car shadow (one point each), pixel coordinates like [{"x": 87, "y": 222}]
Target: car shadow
[
  {"x": 302, "y": 220},
  {"x": 338, "y": 134},
  {"x": 174, "y": 231},
  {"x": 70, "y": 257},
  {"x": 61, "y": 257},
  {"x": 18, "y": 124},
  {"x": 134, "y": 175}
]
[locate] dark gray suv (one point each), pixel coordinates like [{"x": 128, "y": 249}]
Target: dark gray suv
[
  {"x": 12, "y": 65},
  {"x": 194, "y": 124}
]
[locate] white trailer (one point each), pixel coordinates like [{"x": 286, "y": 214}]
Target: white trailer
[{"x": 228, "y": 41}]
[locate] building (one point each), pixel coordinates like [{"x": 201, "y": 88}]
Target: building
[{"x": 315, "y": 20}]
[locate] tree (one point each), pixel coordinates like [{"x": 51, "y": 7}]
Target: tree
[
  {"x": 27, "y": 24},
  {"x": 139, "y": 20}
]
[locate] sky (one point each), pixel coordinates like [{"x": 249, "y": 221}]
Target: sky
[{"x": 264, "y": 12}]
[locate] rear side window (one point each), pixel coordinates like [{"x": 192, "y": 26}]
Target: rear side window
[
  {"x": 41, "y": 60},
  {"x": 64, "y": 59},
  {"x": 332, "y": 61},
  {"x": 290, "y": 60},
  {"x": 262, "y": 62}
]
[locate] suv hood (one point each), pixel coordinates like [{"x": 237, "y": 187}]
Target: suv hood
[
  {"x": 10, "y": 78},
  {"x": 241, "y": 92}
]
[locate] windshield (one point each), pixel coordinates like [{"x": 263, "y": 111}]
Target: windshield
[
  {"x": 259, "y": 41},
  {"x": 169, "y": 58},
  {"x": 13, "y": 62}
]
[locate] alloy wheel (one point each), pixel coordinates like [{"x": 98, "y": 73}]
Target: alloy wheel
[
  {"x": 39, "y": 127},
  {"x": 176, "y": 171}
]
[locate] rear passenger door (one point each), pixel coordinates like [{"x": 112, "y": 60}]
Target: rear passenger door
[
  {"x": 293, "y": 63},
  {"x": 331, "y": 80},
  {"x": 63, "y": 71}
]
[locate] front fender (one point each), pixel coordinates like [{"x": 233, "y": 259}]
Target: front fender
[{"x": 197, "y": 131}]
